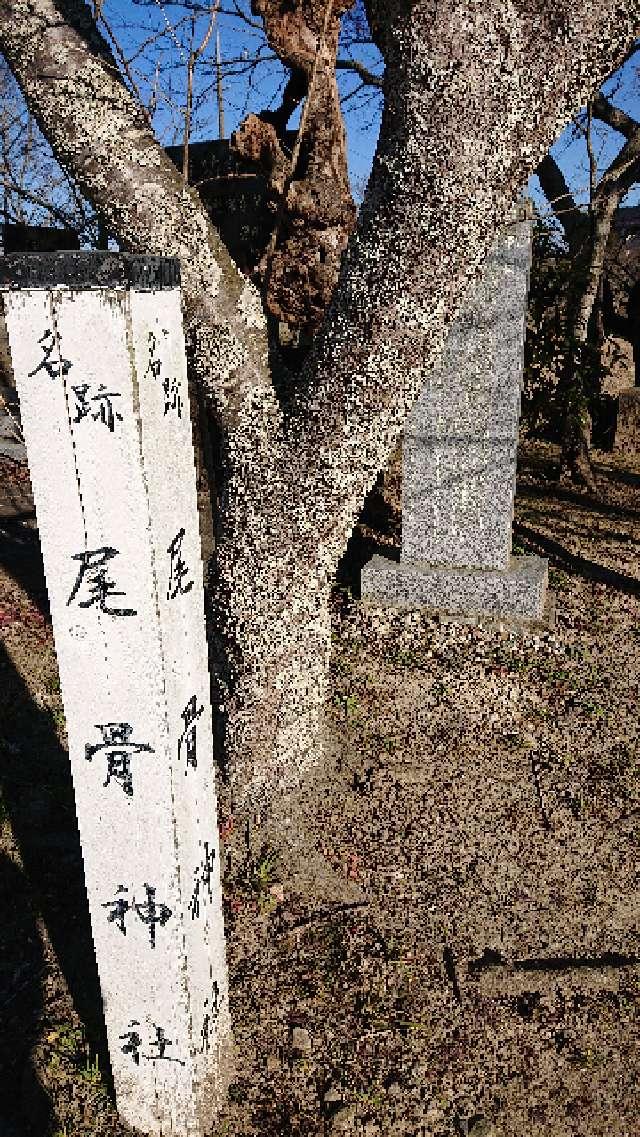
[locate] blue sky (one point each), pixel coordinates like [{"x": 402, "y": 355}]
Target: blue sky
[
  {"x": 362, "y": 110},
  {"x": 135, "y": 24}
]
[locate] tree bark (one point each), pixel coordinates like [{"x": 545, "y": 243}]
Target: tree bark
[
  {"x": 587, "y": 240},
  {"x": 576, "y": 438},
  {"x": 622, "y": 173},
  {"x": 474, "y": 96},
  {"x": 313, "y": 208}
]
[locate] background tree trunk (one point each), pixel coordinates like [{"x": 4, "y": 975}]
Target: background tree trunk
[
  {"x": 576, "y": 435},
  {"x": 587, "y": 238}
]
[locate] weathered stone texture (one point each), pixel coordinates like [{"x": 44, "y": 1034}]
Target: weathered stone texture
[{"x": 459, "y": 460}]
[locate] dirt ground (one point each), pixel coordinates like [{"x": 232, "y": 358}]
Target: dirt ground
[{"x": 445, "y": 938}]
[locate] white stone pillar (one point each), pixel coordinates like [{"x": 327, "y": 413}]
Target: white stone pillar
[
  {"x": 459, "y": 461},
  {"x": 98, "y": 356}
]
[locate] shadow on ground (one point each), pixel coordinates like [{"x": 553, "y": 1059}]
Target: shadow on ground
[{"x": 37, "y": 795}]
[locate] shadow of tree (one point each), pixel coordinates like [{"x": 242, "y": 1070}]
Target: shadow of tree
[
  {"x": 376, "y": 514},
  {"x": 555, "y": 492},
  {"x": 583, "y": 567},
  {"x": 37, "y": 790},
  {"x": 22, "y": 968}
]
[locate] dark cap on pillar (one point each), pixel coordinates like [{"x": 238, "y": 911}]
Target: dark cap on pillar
[{"x": 89, "y": 270}]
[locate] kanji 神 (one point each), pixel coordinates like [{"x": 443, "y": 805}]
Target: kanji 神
[
  {"x": 150, "y": 913},
  {"x": 188, "y": 736},
  {"x": 178, "y": 569},
  {"x": 119, "y": 749},
  {"x": 104, "y": 411},
  {"x": 93, "y": 574},
  {"x": 133, "y": 1044},
  {"x": 54, "y": 368}
]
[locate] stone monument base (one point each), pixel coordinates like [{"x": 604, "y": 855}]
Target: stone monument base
[{"x": 516, "y": 595}]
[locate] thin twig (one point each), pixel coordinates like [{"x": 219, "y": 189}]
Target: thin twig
[
  {"x": 452, "y": 975},
  {"x": 193, "y": 57},
  {"x": 10, "y": 184},
  {"x": 126, "y": 69}
]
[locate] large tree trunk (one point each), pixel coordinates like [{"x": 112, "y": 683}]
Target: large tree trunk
[
  {"x": 271, "y": 725},
  {"x": 474, "y": 95}
]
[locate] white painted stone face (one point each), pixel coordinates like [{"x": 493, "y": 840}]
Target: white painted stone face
[{"x": 101, "y": 377}]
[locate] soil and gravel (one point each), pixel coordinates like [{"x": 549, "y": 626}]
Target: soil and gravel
[{"x": 439, "y": 934}]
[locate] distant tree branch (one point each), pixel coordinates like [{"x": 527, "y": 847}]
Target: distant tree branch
[
  {"x": 624, "y": 171},
  {"x": 36, "y": 199},
  {"x": 123, "y": 61},
  {"x": 613, "y": 116},
  {"x": 633, "y": 50},
  {"x": 368, "y": 77}
]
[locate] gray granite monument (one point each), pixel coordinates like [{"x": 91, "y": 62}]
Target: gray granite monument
[{"x": 459, "y": 460}]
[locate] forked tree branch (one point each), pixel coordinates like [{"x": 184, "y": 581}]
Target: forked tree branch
[{"x": 613, "y": 116}]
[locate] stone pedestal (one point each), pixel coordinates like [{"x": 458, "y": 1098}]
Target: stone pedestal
[
  {"x": 459, "y": 461},
  {"x": 519, "y": 591},
  {"x": 628, "y": 422},
  {"x": 98, "y": 357}
]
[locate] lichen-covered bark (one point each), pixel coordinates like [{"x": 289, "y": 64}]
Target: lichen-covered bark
[
  {"x": 313, "y": 209},
  {"x": 474, "y": 96}
]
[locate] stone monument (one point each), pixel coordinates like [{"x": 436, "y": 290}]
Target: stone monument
[
  {"x": 459, "y": 461},
  {"x": 97, "y": 352}
]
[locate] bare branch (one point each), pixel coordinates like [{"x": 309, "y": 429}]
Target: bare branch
[
  {"x": 191, "y": 66},
  {"x": 37, "y": 199},
  {"x": 125, "y": 66},
  {"x": 633, "y": 50},
  {"x": 368, "y": 77},
  {"x": 624, "y": 171},
  {"x": 613, "y": 116}
]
